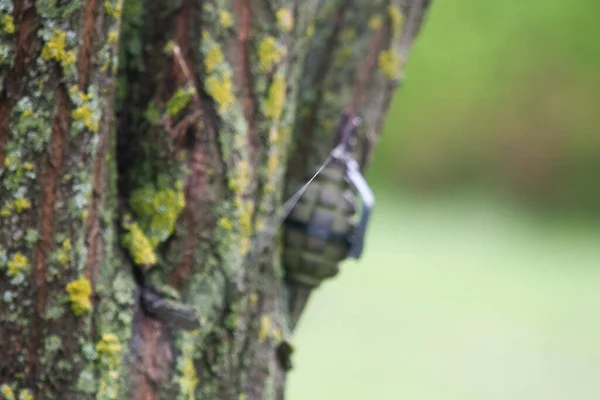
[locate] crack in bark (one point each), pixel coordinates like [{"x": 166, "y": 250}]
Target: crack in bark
[
  {"x": 245, "y": 81},
  {"x": 197, "y": 161},
  {"x": 49, "y": 179},
  {"x": 89, "y": 18},
  {"x": 155, "y": 358},
  {"x": 244, "y": 17},
  {"x": 92, "y": 223}
]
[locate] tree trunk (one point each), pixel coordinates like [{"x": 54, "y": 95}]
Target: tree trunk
[{"x": 138, "y": 253}]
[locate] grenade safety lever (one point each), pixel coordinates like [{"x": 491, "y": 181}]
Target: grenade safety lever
[
  {"x": 321, "y": 230},
  {"x": 341, "y": 153}
]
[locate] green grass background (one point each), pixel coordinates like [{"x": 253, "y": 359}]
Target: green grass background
[
  {"x": 457, "y": 298},
  {"x": 465, "y": 290}
]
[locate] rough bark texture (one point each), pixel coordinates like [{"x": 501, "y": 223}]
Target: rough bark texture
[{"x": 137, "y": 257}]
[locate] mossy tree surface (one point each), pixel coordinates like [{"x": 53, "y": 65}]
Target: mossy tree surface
[{"x": 171, "y": 165}]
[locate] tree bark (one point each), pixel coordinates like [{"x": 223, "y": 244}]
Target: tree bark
[{"x": 139, "y": 255}]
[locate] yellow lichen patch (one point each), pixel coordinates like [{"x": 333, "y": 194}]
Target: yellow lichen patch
[
  {"x": 269, "y": 53},
  {"x": 167, "y": 205},
  {"x": 241, "y": 179},
  {"x": 62, "y": 258},
  {"x": 62, "y": 255},
  {"x": 390, "y": 63},
  {"x": 19, "y": 263},
  {"x": 81, "y": 96},
  {"x": 253, "y": 298},
  {"x": 104, "y": 67},
  {"x": 22, "y": 204},
  {"x": 180, "y": 99},
  {"x": 225, "y": 19},
  {"x": 397, "y": 18},
  {"x": 272, "y": 163},
  {"x": 10, "y": 160},
  {"x": 285, "y": 19},
  {"x": 276, "y": 98},
  {"x": 84, "y": 114},
  {"x": 74, "y": 89},
  {"x": 7, "y": 209},
  {"x": 225, "y": 223},
  {"x": 276, "y": 140},
  {"x": 54, "y": 49},
  {"x": 246, "y": 210},
  {"x": 140, "y": 248},
  {"x": 25, "y": 394},
  {"x": 169, "y": 47},
  {"x": 375, "y": 22},
  {"x": 8, "y": 24},
  {"x": 213, "y": 58},
  {"x": 188, "y": 379},
  {"x": 112, "y": 37},
  {"x": 28, "y": 166},
  {"x": 114, "y": 10},
  {"x": 80, "y": 291},
  {"x": 109, "y": 348},
  {"x": 221, "y": 90},
  {"x": 158, "y": 211},
  {"x": 7, "y": 392},
  {"x": 265, "y": 327}
]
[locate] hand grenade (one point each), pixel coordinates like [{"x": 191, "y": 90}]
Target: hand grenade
[{"x": 323, "y": 229}]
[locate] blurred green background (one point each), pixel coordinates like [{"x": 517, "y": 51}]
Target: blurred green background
[
  {"x": 502, "y": 95},
  {"x": 481, "y": 277}
]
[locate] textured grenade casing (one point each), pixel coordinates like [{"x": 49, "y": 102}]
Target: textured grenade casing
[{"x": 318, "y": 231}]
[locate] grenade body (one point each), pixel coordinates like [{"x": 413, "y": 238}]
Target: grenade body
[{"x": 319, "y": 229}]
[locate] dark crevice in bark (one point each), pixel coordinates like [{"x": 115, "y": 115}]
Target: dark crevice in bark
[
  {"x": 197, "y": 162},
  {"x": 134, "y": 131},
  {"x": 27, "y": 46}
]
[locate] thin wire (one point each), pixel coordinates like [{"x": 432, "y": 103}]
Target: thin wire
[{"x": 288, "y": 206}]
